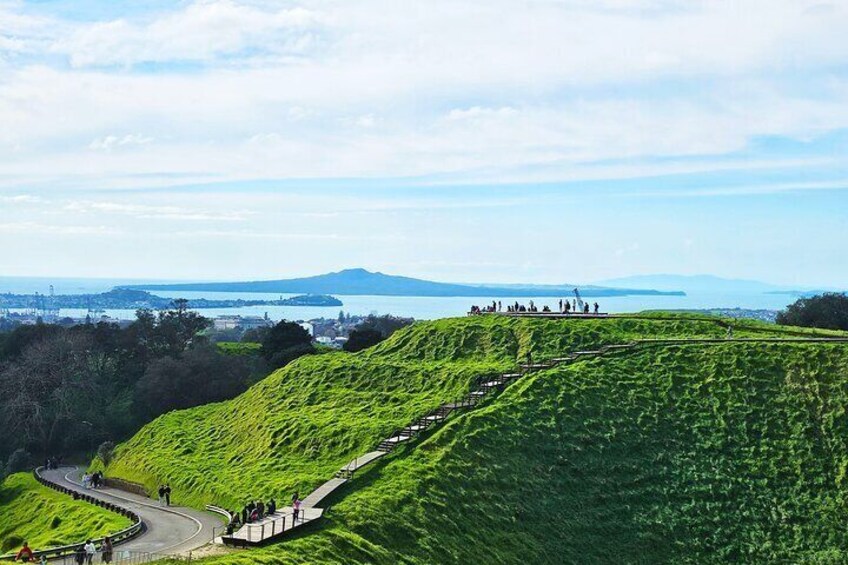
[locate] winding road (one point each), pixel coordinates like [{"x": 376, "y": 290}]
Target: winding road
[{"x": 171, "y": 530}]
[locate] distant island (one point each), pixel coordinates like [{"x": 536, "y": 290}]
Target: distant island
[
  {"x": 132, "y": 299},
  {"x": 361, "y": 282},
  {"x": 311, "y": 300}
]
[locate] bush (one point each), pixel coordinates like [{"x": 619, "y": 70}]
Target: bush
[
  {"x": 827, "y": 311},
  {"x": 106, "y": 452},
  {"x": 11, "y": 543},
  {"x": 284, "y": 343},
  {"x": 18, "y": 461},
  {"x": 360, "y": 339}
]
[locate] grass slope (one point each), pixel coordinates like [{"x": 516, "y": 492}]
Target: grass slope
[
  {"x": 238, "y": 348},
  {"x": 296, "y": 427},
  {"x": 687, "y": 454},
  {"x": 46, "y": 518}
]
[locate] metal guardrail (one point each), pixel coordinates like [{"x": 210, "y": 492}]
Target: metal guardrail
[
  {"x": 222, "y": 511},
  {"x": 252, "y": 534},
  {"x": 119, "y": 557},
  {"x": 67, "y": 551}
]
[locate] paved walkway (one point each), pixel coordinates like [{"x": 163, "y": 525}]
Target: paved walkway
[{"x": 171, "y": 530}]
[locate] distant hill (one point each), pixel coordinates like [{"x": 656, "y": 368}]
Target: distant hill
[
  {"x": 691, "y": 283},
  {"x": 800, "y": 293},
  {"x": 363, "y": 282}
]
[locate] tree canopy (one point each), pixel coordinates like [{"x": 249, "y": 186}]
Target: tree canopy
[
  {"x": 67, "y": 389},
  {"x": 284, "y": 343},
  {"x": 826, "y": 311},
  {"x": 362, "y": 338}
]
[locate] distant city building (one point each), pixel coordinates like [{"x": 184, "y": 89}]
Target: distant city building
[{"x": 222, "y": 323}]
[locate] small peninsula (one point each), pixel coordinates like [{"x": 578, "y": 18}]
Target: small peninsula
[{"x": 130, "y": 299}]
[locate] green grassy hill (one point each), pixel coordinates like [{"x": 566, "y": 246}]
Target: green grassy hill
[
  {"x": 295, "y": 428},
  {"x": 46, "y": 518},
  {"x": 729, "y": 452}
]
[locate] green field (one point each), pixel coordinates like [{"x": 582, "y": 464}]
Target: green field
[
  {"x": 238, "y": 348},
  {"x": 692, "y": 454},
  {"x": 46, "y": 518}
]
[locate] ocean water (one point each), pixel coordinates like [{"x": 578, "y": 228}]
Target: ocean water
[{"x": 419, "y": 307}]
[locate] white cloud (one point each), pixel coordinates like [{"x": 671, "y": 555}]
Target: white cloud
[
  {"x": 111, "y": 142},
  {"x": 21, "y": 199},
  {"x": 366, "y": 121},
  {"x": 35, "y": 228},
  {"x": 480, "y": 112},
  {"x": 201, "y": 31},
  {"x": 456, "y": 90},
  {"x": 145, "y": 211}
]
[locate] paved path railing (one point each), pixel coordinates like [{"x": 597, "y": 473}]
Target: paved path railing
[
  {"x": 66, "y": 551},
  {"x": 156, "y": 532}
]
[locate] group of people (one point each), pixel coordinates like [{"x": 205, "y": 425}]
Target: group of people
[
  {"x": 164, "y": 495},
  {"x": 565, "y": 307},
  {"x": 83, "y": 555},
  {"x": 51, "y": 463},
  {"x": 92, "y": 480},
  {"x": 255, "y": 511}
]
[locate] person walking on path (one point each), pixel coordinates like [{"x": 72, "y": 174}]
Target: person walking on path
[
  {"x": 90, "y": 550},
  {"x": 729, "y": 332},
  {"x": 296, "y": 510},
  {"x": 25, "y": 554},
  {"x": 79, "y": 556},
  {"x": 161, "y": 495},
  {"x": 106, "y": 550},
  {"x": 167, "y": 495}
]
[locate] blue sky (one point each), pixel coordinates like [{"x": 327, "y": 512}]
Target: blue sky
[{"x": 537, "y": 141}]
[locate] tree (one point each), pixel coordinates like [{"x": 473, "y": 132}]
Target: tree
[
  {"x": 256, "y": 335},
  {"x": 826, "y": 311},
  {"x": 362, "y": 338},
  {"x": 19, "y": 460},
  {"x": 386, "y": 325},
  {"x": 46, "y": 393},
  {"x": 200, "y": 376},
  {"x": 178, "y": 328},
  {"x": 286, "y": 342},
  {"x": 22, "y": 337},
  {"x": 106, "y": 452}
]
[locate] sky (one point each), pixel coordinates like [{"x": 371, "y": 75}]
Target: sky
[{"x": 543, "y": 141}]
